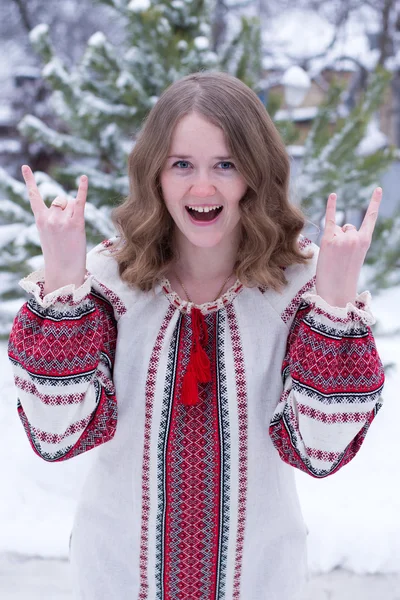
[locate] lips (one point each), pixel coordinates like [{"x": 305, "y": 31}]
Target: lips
[{"x": 206, "y": 214}]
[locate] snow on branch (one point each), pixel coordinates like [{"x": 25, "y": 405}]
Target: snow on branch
[
  {"x": 201, "y": 43},
  {"x": 14, "y": 189},
  {"x": 36, "y": 130},
  {"x": 138, "y": 5},
  {"x": 11, "y": 212},
  {"x": 99, "y": 181},
  {"x": 99, "y": 220},
  {"x": 98, "y": 50},
  {"x": 97, "y": 40},
  {"x": 55, "y": 72},
  {"x": 59, "y": 103},
  {"x": 94, "y": 106},
  {"x": 28, "y": 236},
  {"x": 128, "y": 83},
  {"x": 48, "y": 188},
  {"x": 40, "y": 40}
]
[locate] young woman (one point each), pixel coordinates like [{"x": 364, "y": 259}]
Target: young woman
[{"x": 208, "y": 344}]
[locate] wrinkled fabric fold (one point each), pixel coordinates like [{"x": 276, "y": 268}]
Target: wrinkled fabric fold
[
  {"x": 359, "y": 311},
  {"x": 34, "y": 284}
]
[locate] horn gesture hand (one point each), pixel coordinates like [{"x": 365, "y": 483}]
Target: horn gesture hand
[
  {"x": 62, "y": 233},
  {"x": 342, "y": 253}
]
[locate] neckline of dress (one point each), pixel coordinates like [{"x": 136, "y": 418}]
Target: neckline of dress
[{"x": 206, "y": 307}]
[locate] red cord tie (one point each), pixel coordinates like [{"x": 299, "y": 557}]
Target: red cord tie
[{"x": 198, "y": 369}]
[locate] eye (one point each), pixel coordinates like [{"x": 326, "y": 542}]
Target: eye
[
  {"x": 180, "y": 162},
  {"x": 226, "y": 165}
]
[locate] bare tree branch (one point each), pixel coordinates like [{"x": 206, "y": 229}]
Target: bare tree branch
[{"x": 25, "y": 17}]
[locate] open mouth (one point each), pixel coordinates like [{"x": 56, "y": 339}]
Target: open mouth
[{"x": 201, "y": 213}]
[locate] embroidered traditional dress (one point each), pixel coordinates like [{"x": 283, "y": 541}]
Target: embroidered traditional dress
[{"x": 190, "y": 498}]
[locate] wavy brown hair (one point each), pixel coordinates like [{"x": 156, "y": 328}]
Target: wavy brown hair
[{"x": 270, "y": 224}]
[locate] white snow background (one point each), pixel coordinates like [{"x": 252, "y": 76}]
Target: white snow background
[{"x": 353, "y": 516}]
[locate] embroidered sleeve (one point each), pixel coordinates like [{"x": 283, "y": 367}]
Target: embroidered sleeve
[
  {"x": 62, "y": 349},
  {"x": 333, "y": 379}
]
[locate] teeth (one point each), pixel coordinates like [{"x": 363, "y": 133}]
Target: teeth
[{"x": 204, "y": 208}]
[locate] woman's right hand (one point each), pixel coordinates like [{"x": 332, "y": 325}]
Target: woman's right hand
[{"x": 62, "y": 234}]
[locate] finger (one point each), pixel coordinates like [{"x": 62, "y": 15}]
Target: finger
[
  {"x": 37, "y": 204},
  {"x": 61, "y": 206},
  {"x": 330, "y": 215},
  {"x": 70, "y": 207},
  {"x": 79, "y": 205},
  {"x": 368, "y": 224}
]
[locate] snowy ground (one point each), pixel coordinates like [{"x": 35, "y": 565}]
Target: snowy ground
[
  {"x": 353, "y": 517},
  {"x": 39, "y": 579}
]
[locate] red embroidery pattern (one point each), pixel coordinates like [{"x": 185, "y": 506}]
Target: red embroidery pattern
[
  {"x": 59, "y": 347},
  {"x": 54, "y": 438},
  {"x": 284, "y": 437},
  {"x": 192, "y": 483},
  {"x": 304, "y": 242},
  {"x": 334, "y": 362},
  {"x": 117, "y": 304},
  {"x": 51, "y": 400},
  {"x": 149, "y": 393},
  {"x": 322, "y": 454},
  {"x": 100, "y": 429},
  {"x": 290, "y": 310},
  {"x": 330, "y": 418},
  {"x": 241, "y": 391}
]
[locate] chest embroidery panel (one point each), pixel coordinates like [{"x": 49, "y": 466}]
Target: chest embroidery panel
[{"x": 194, "y": 465}]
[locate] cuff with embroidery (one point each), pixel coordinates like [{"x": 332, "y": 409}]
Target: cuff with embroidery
[
  {"x": 68, "y": 294},
  {"x": 343, "y": 317}
]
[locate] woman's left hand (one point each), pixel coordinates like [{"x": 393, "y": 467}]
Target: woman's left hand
[{"x": 342, "y": 253}]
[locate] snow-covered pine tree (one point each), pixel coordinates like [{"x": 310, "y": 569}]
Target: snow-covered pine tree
[
  {"x": 338, "y": 159},
  {"x": 100, "y": 104}
]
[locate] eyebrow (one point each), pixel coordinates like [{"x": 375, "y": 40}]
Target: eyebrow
[{"x": 186, "y": 156}]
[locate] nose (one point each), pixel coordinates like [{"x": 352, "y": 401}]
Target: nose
[
  {"x": 202, "y": 187},
  {"x": 203, "y": 191}
]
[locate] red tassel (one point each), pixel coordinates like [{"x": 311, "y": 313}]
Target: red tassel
[
  {"x": 198, "y": 369},
  {"x": 199, "y": 326},
  {"x": 190, "y": 389},
  {"x": 201, "y": 364}
]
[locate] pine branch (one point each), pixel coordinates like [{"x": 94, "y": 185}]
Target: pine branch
[
  {"x": 99, "y": 182},
  {"x": 15, "y": 190},
  {"x": 34, "y": 129},
  {"x": 40, "y": 40},
  {"x": 11, "y": 212}
]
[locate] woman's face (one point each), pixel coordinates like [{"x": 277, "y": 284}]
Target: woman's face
[{"x": 200, "y": 184}]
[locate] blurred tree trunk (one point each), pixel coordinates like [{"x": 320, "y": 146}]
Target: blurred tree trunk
[
  {"x": 396, "y": 106},
  {"x": 385, "y": 37},
  {"x": 219, "y": 25}
]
